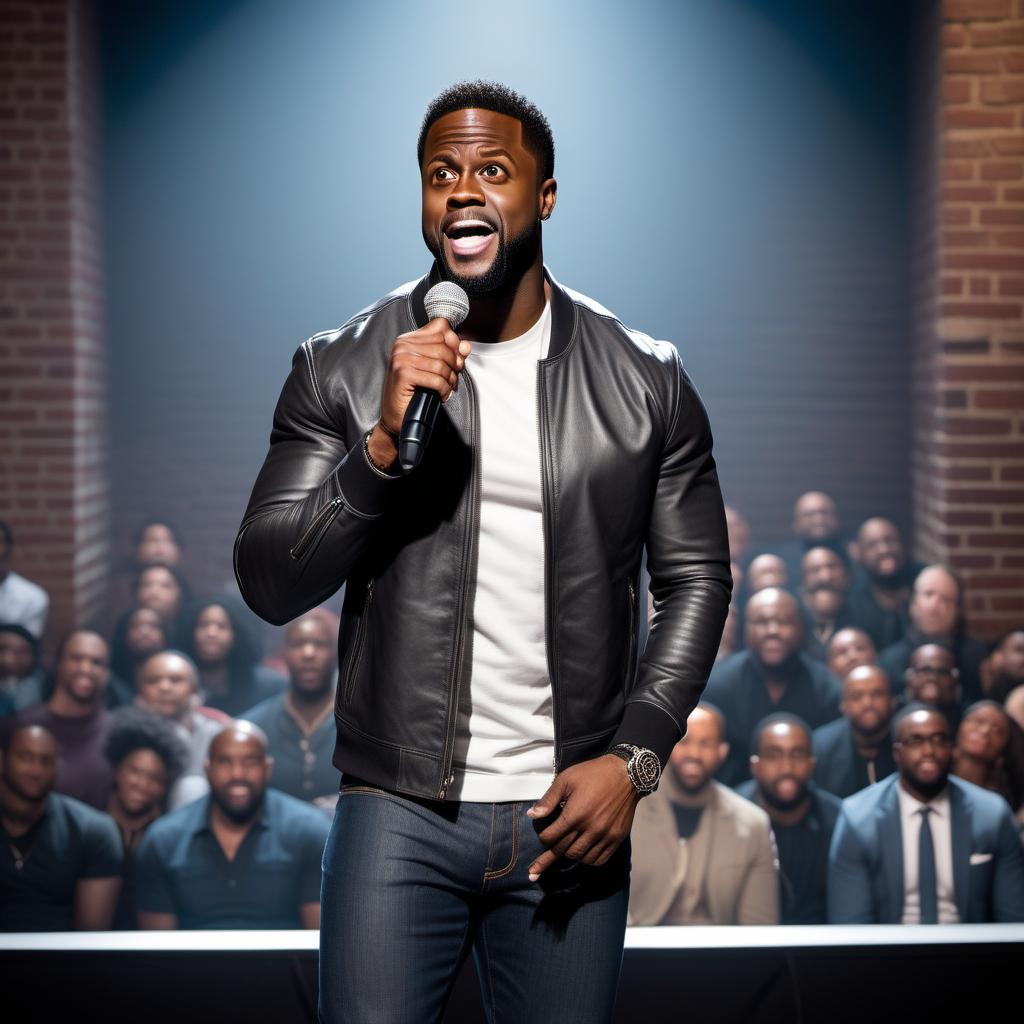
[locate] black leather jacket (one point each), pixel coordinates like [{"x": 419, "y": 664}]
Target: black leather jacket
[{"x": 625, "y": 461}]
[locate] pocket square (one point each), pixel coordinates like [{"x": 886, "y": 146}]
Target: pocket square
[{"x": 980, "y": 858}]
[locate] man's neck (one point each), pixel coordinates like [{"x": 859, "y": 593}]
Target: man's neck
[
  {"x": 229, "y": 833},
  {"x": 788, "y": 817},
  {"x": 127, "y": 820},
  {"x": 868, "y": 744},
  {"x": 19, "y": 814},
  {"x": 918, "y": 795},
  {"x": 63, "y": 704},
  {"x": 309, "y": 708},
  {"x": 509, "y": 311},
  {"x": 973, "y": 769}
]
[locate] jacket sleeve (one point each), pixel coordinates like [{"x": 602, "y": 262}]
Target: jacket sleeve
[
  {"x": 1008, "y": 885},
  {"x": 315, "y": 503},
  {"x": 759, "y": 900},
  {"x": 691, "y": 580},
  {"x": 849, "y": 878}
]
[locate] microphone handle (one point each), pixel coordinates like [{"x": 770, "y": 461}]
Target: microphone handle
[{"x": 417, "y": 427}]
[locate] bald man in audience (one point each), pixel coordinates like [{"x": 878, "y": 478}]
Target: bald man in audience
[
  {"x": 855, "y": 751},
  {"x": 824, "y": 582},
  {"x": 771, "y": 675},
  {"x": 701, "y": 854},
  {"x": 815, "y": 524},
  {"x": 60, "y": 860},
  {"x": 848, "y": 649},
  {"x": 244, "y": 856},
  {"x": 765, "y": 571}
]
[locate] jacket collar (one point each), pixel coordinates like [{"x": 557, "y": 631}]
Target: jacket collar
[{"x": 563, "y": 310}]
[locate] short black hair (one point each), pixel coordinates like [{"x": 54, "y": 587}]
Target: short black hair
[
  {"x": 1003, "y": 637},
  {"x": 907, "y": 710},
  {"x": 7, "y": 534},
  {"x": 484, "y": 95},
  {"x": 777, "y": 718},
  {"x": 133, "y": 728},
  {"x": 157, "y": 521}
]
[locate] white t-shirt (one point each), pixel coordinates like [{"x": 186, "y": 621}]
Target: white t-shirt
[{"x": 505, "y": 735}]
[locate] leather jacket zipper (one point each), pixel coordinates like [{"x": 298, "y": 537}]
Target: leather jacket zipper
[
  {"x": 357, "y": 646},
  {"x": 631, "y": 647},
  {"x": 317, "y": 525},
  {"x": 468, "y": 561}
]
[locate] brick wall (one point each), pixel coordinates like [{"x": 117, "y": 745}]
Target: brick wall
[
  {"x": 53, "y": 436},
  {"x": 969, "y": 437}
]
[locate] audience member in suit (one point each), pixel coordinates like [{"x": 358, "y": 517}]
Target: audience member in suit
[
  {"x": 22, "y": 680},
  {"x": 60, "y": 860},
  {"x": 936, "y": 616},
  {"x": 932, "y": 678},
  {"x": 1003, "y": 670},
  {"x": 855, "y": 751},
  {"x": 770, "y": 675},
  {"x": 923, "y": 846},
  {"x": 77, "y": 716},
  {"x": 848, "y": 649},
  {"x": 824, "y": 582},
  {"x": 880, "y": 595},
  {"x": 815, "y": 524},
  {"x": 989, "y": 752},
  {"x": 701, "y": 853},
  {"x": 802, "y": 815}
]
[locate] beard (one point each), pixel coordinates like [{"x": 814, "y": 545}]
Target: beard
[
  {"x": 929, "y": 790},
  {"x": 235, "y": 813},
  {"x": 895, "y": 580},
  {"x": 783, "y": 805},
  {"x": 514, "y": 257}
]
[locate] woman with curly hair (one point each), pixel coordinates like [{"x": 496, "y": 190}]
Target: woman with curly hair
[
  {"x": 147, "y": 757},
  {"x": 221, "y": 643},
  {"x": 990, "y": 752}
]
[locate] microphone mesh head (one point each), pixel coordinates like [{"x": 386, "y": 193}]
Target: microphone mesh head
[{"x": 447, "y": 299}]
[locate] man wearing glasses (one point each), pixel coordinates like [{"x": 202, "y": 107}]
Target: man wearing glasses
[{"x": 924, "y": 847}]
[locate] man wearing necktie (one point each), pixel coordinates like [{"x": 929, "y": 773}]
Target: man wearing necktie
[{"x": 924, "y": 847}]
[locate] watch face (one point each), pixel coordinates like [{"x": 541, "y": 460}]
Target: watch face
[{"x": 647, "y": 768}]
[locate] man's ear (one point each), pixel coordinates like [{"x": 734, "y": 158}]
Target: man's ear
[{"x": 548, "y": 195}]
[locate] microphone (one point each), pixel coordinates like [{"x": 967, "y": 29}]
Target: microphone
[{"x": 449, "y": 301}]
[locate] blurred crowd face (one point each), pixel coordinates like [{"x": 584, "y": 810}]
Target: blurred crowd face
[
  {"x": 815, "y": 517},
  {"x": 238, "y": 770},
  {"x": 311, "y": 654},
  {"x": 1008, "y": 659},
  {"x": 932, "y": 676},
  {"x": 17, "y": 658},
  {"x": 783, "y": 765},
  {"x": 700, "y": 753},
  {"x": 83, "y": 667},
  {"x": 140, "y": 781},
  {"x": 881, "y": 550},
  {"x": 848, "y": 649},
  {"x": 766, "y": 571},
  {"x": 158, "y": 545},
  {"x": 984, "y": 733},
  {"x": 923, "y": 752},
  {"x": 825, "y": 581},
  {"x": 213, "y": 636},
  {"x": 739, "y": 533},
  {"x": 867, "y": 699},
  {"x": 935, "y": 603},
  {"x": 146, "y": 633},
  {"x": 774, "y": 631},
  {"x": 159, "y": 590},
  {"x": 1014, "y": 705},
  {"x": 29, "y": 765},
  {"x": 167, "y": 685}
]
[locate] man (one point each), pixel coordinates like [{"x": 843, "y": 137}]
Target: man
[
  {"x": 1003, "y": 670},
  {"x": 936, "y": 616},
  {"x": 21, "y": 676},
  {"x": 824, "y": 582},
  {"x": 489, "y": 631},
  {"x": 924, "y": 847},
  {"x": 932, "y": 678},
  {"x": 770, "y": 675},
  {"x": 766, "y": 571},
  {"x": 701, "y": 854},
  {"x": 76, "y": 716},
  {"x": 848, "y": 649},
  {"x": 21, "y": 600},
  {"x": 815, "y": 524},
  {"x": 879, "y": 596},
  {"x": 60, "y": 861},
  {"x": 855, "y": 751},
  {"x": 802, "y": 815},
  {"x": 244, "y": 856},
  {"x": 299, "y": 724}
]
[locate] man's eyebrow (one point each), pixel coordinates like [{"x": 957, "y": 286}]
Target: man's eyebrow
[{"x": 498, "y": 151}]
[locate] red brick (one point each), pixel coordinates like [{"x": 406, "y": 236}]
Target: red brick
[
  {"x": 1013, "y": 519},
  {"x": 979, "y": 450},
  {"x": 999, "y": 399},
  {"x": 996, "y": 215},
  {"x": 953, "y": 36},
  {"x": 964, "y": 239},
  {"x": 962, "y": 426},
  {"x": 962, "y": 560},
  {"x": 1011, "y": 473},
  {"x": 952, "y": 285},
  {"x": 1007, "y": 604},
  {"x": 982, "y": 310},
  {"x": 958, "y": 170},
  {"x": 984, "y": 495},
  {"x": 982, "y": 261},
  {"x": 981, "y": 286},
  {"x": 975, "y": 473},
  {"x": 957, "y": 90},
  {"x": 971, "y": 10},
  {"x": 1001, "y": 170},
  {"x": 1008, "y": 145},
  {"x": 968, "y": 519},
  {"x": 1011, "y": 286},
  {"x": 1002, "y": 90},
  {"x": 995, "y": 540},
  {"x": 1013, "y": 61},
  {"x": 972, "y": 63},
  {"x": 959, "y": 117},
  {"x": 1013, "y": 561},
  {"x": 1010, "y": 35},
  {"x": 1013, "y": 195},
  {"x": 960, "y": 149}
]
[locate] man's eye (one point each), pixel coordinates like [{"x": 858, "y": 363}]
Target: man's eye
[
  {"x": 492, "y": 170},
  {"x": 441, "y": 171}
]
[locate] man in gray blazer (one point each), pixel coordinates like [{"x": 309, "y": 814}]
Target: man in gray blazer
[
  {"x": 922, "y": 846},
  {"x": 701, "y": 853}
]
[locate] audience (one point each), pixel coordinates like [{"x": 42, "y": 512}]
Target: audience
[
  {"x": 855, "y": 751},
  {"x": 1003, "y": 670},
  {"x": 848, "y": 649},
  {"x": 60, "y": 861},
  {"x": 22, "y": 680},
  {"x": 76, "y": 716},
  {"x": 824, "y": 581},
  {"x": 157, "y": 542},
  {"x": 802, "y": 815},
  {"x": 924, "y": 847},
  {"x": 701, "y": 853},
  {"x": 880, "y": 595},
  {"x": 989, "y": 752},
  {"x": 932, "y": 678},
  {"x": 1015, "y": 705},
  {"x": 231, "y": 678},
  {"x": 244, "y": 856},
  {"x": 815, "y": 524},
  {"x": 163, "y": 588},
  {"x": 299, "y": 724},
  {"x": 739, "y": 534},
  {"x": 139, "y": 633},
  {"x": 766, "y": 571},
  {"x": 147, "y": 757},
  {"x": 770, "y": 675},
  {"x": 21, "y": 601}
]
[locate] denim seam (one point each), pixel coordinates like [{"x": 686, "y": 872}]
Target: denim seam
[
  {"x": 489, "y": 1004},
  {"x": 491, "y": 876}
]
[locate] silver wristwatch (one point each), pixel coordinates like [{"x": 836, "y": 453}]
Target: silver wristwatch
[{"x": 642, "y": 766}]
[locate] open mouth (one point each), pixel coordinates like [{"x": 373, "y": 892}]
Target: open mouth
[{"x": 469, "y": 237}]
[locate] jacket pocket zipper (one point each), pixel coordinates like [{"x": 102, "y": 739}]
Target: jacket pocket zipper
[
  {"x": 318, "y": 525},
  {"x": 631, "y": 646},
  {"x": 357, "y": 646}
]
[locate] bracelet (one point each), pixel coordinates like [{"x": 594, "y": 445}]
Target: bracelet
[
  {"x": 393, "y": 434},
  {"x": 375, "y": 466}
]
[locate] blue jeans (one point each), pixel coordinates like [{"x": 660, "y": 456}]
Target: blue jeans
[{"x": 410, "y": 886}]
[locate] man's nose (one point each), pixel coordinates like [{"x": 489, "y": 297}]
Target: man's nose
[{"x": 467, "y": 194}]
